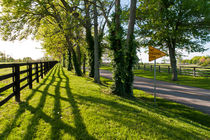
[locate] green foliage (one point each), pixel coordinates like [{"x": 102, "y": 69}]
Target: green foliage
[
  {"x": 27, "y": 59},
  {"x": 57, "y": 26},
  {"x": 174, "y": 24},
  {"x": 6, "y": 58},
  {"x": 185, "y": 21},
  {"x": 199, "y": 60}
]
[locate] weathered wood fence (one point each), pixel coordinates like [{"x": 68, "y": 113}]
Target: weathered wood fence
[
  {"x": 34, "y": 71},
  {"x": 182, "y": 70}
]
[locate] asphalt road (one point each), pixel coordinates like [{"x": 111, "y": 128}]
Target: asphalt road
[{"x": 194, "y": 97}]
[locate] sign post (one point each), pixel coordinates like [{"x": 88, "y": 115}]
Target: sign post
[
  {"x": 153, "y": 55},
  {"x": 155, "y": 80}
]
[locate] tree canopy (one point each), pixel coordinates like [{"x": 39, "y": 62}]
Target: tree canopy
[{"x": 76, "y": 29}]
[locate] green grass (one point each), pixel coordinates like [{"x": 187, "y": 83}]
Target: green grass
[
  {"x": 200, "y": 82},
  {"x": 65, "y": 106}
]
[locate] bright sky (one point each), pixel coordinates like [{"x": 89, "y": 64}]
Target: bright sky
[{"x": 21, "y": 49}]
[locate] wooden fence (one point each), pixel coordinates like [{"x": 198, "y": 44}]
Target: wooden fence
[
  {"x": 33, "y": 71},
  {"x": 182, "y": 70}
]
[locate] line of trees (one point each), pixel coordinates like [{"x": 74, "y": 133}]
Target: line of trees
[
  {"x": 198, "y": 60},
  {"x": 77, "y": 31},
  {"x": 7, "y": 58}
]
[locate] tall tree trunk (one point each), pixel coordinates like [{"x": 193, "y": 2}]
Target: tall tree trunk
[
  {"x": 75, "y": 60},
  {"x": 84, "y": 62},
  {"x": 130, "y": 50},
  {"x": 116, "y": 45},
  {"x": 64, "y": 60},
  {"x": 76, "y": 64},
  {"x": 89, "y": 39},
  {"x": 96, "y": 46},
  {"x": 78, "y": 55},
  {"x": 70, "y": 67},
  {"x": 172, "y": 54}
]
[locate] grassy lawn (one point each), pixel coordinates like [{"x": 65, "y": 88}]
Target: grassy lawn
[
  {"x": 201, "y": 82},
  {"x": 65, "y": 106}
]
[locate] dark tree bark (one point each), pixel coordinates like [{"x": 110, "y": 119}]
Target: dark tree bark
[
  {"x": 96, "y": 46},
  {"x": 118, "y": 87},
  {"x": 70, "y": 66},
  {"x": 172, "y": 55},
  {"x": 78, "y": 55},
  {"x": 89, "y": 39},
  {"x": 84, "y": 63},
  {"x": 75, "y": 60},
  {"x": 130, "y": 50}
]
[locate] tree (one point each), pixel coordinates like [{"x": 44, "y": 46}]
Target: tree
[
  {"x": 124, "y": 51},
  {"x": 96, "y": 46},
  {"x": 115, "y": 38},
  {"x": 89, "y": 38},
  {"x": 131, "y": 49},
  {"x": 22, "y": 18},
  {"x": 174, "y": 24},
  {"x": 27, "y": 59}
]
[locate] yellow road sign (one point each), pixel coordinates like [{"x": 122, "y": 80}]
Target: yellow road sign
[{"x": 155, "y": 53}]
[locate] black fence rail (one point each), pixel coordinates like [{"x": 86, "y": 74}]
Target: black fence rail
[
  {"x": 33, "y": 71},
  {"x": 182, "y": 70}
]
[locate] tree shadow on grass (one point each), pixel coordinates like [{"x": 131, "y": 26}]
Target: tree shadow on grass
[
  {"x": 176, "y": 110},
  {"x": 82, "y": 132},
  {"x": 136, "y": 119},
  {"x": 79, "y": 131},
  {"x": 170, "y": 108}
]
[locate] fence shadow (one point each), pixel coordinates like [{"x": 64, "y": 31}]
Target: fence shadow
[
  {"x": 22, "y": 107},
  {"x": 54, "y": 120}
]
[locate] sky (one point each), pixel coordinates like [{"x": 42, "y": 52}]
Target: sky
[{"x": 23, "y": 48}]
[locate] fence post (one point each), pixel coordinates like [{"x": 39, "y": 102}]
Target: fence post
[
  {"x": 37, "y": 73},
  {"x": 151, "y": 67},
  {"x": 41, "y": 65},
  {"x": 30, "y": 76},
  {"x": 159, "y": 68},
  {"x": 45, "y": 68},
  {"x": 48, "y": 66},
  {"x": 144, "y": 67},
  {"x": 168, "y": 69},
  {"x": 180, "y": 70},
  {"x": 194, "y": 72},
  {"x": 17, "y": 82}
]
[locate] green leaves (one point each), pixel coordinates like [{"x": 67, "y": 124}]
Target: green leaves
[{"x": 184, "y": 21}]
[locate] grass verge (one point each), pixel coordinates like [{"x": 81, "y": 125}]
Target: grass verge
[{"x": 65, "y": 106}]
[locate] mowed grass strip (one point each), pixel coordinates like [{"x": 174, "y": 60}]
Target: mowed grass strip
[
  {"x": 65, "y": 106},
  {"x": 200, "y": 82}
]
